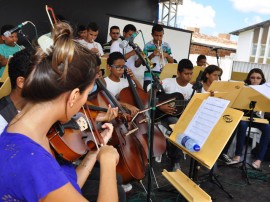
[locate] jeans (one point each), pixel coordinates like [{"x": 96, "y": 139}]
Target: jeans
[
  {"x": 264, "y": 141},
  {"x": 174, "y": 153}
]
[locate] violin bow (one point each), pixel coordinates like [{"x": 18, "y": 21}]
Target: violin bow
[{"x": 48, "y": 11}]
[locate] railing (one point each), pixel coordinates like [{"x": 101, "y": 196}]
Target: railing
[{"x": 247, "y": 66}]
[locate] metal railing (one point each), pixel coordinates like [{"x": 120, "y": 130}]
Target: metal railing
[{"x": 247, "y": 66}]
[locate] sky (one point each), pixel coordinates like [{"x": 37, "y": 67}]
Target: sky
[{"x": 222, "y": 16}]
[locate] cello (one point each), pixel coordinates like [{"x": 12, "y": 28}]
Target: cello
[
  {"x": 132, "y": 157},
  {"x": 139, "y": 98}
]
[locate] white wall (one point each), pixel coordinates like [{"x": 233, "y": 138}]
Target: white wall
[
  {"x": 225, "y": 64},
  {"x": 179, "y": 40},
  {"x": 244, "y": 46}
]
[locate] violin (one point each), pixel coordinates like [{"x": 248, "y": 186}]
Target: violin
[
  {"x": 75, "y": 138},
  {"x": 131, "y": 164},
  {"x": 67, "y": 140},
  {"x": 139, "y": 98}
]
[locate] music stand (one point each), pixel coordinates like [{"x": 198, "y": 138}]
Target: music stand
[
  {"x": 215, "y": 143},
  {"x": 196, "y": 72},
  {"x": 169, "y": 71},
  {"x": 251, "y": 99}
]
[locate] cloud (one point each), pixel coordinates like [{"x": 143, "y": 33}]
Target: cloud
[
  {"x": 258, "y": 6},
  {"x": 192, "y": 14},
  {"x": 253, "y": 20}
]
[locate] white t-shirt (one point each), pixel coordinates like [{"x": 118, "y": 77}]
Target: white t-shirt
[
  {"x": 130, "y": 63},
  {"x": 116, "y": 87},
  {"x": 3, "y": 124},
  {"x": 170, "y": 85},
  {"x": 92, "y": 45}
]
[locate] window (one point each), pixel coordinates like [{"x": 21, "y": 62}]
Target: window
[
  {"x": 262, "y": 51},
  {"x": 254, "y": 49}
]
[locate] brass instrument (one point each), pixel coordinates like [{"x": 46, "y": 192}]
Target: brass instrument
[
  {"x": 161, "y": 57},
  {"x": 148, "y": 61}
]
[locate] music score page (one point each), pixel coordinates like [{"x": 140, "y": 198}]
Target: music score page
[{"x": 205, "y": 119}]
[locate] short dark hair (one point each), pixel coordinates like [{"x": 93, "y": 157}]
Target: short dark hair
[
  {"x": 129, "y": 27},
  {"x": 19, "y": 65},
  {"x": 255, "y": 70},
  {"x": 81, "y": 28},
  {"x": 209, "y": 70},
  {"x": 114, "y": 27},
  {"x": 185, "y": 64},
  {"x": 114, "y": 56},
  {"x": 5, "y": 28},
  {"x": 93, "y": 26},
  {"x": 157, "y": 28},
  {"x": 201, "y": 57},
  {"x": 98, "y": 60}
]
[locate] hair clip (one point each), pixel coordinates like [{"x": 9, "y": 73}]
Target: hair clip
[{"x": 45, "y": 43}]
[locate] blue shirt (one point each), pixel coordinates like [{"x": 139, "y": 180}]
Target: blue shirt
[
  {"x": 28, "y": 172},
  {"x": 7, "y": 51}
]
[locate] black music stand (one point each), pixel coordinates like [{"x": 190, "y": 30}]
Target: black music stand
[
  {"x": 156, "y": 86},
  {"x": 251, "y": 119}
]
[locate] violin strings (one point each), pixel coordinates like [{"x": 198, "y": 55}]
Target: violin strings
[{"x": 90, "y": 126}]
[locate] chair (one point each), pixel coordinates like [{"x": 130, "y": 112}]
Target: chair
[
  {"x": 5, "y": 88},
  {"x": 238, "y": 76},
  {"x": 103, "y": 67},
  {"x": 255, "y": 134},
  {"x": 4, "y": 75}
]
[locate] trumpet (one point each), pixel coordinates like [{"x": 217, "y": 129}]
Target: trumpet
[
  {"x": 146, "y": 59},
  {"x": 161, "y": 57}
]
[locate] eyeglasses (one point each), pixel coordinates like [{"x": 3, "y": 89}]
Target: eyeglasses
[
  {"x": 253, "y": 77},
  {"x": 118, "y": 68},
  {"x": 115, "y": 33}
]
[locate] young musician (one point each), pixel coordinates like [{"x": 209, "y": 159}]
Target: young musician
[
  {"x": 9, "y": 47},
  {"x": 115, "y": 36},
  {"x": 254, "y": 77},
  {"x": 182, "y": 85},
  {"x": 55, "y": 89},
  {"x": 132, "y": 60},
  {"x": 89, "y": 42},
  {"x": 201, "y": 61},
  {"x": 159, "y": 52},
  {"x": 114, "y": 82},
  {"x": 210, "y": 74}
]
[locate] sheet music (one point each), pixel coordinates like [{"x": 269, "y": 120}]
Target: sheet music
[
  {"x": 263, "y": 89},
  {"x": 205, "y": 119}
]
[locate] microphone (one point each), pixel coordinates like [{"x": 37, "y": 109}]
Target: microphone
[
  {"x": 9, "y": 32},
  {"x": 130, "y": 39}
]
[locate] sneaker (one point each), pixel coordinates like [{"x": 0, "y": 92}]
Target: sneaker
[
  {"x": 127, "y": 187},
  {"x": 228, "y": 160},
  {"x": 176, "y": 166}
]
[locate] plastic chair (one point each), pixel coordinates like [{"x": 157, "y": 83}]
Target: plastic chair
[{"x": 255, "y": 134}]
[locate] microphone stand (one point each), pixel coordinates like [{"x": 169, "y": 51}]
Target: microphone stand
[
  {"x": 217, "y": 56},
  {"x": 156, "y": 86}
]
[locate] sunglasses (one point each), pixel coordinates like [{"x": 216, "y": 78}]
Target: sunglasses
[
  {"x": 253, "y": 77},
  {"x": 118, "y": 68}
]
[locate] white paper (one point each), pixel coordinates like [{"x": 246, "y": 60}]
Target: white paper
[
  {"x": 205, "y": 119},
  {"x": 263, "y": 89}
]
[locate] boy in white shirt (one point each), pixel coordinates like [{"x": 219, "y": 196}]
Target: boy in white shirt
[{"x": 90, "y": 43}]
